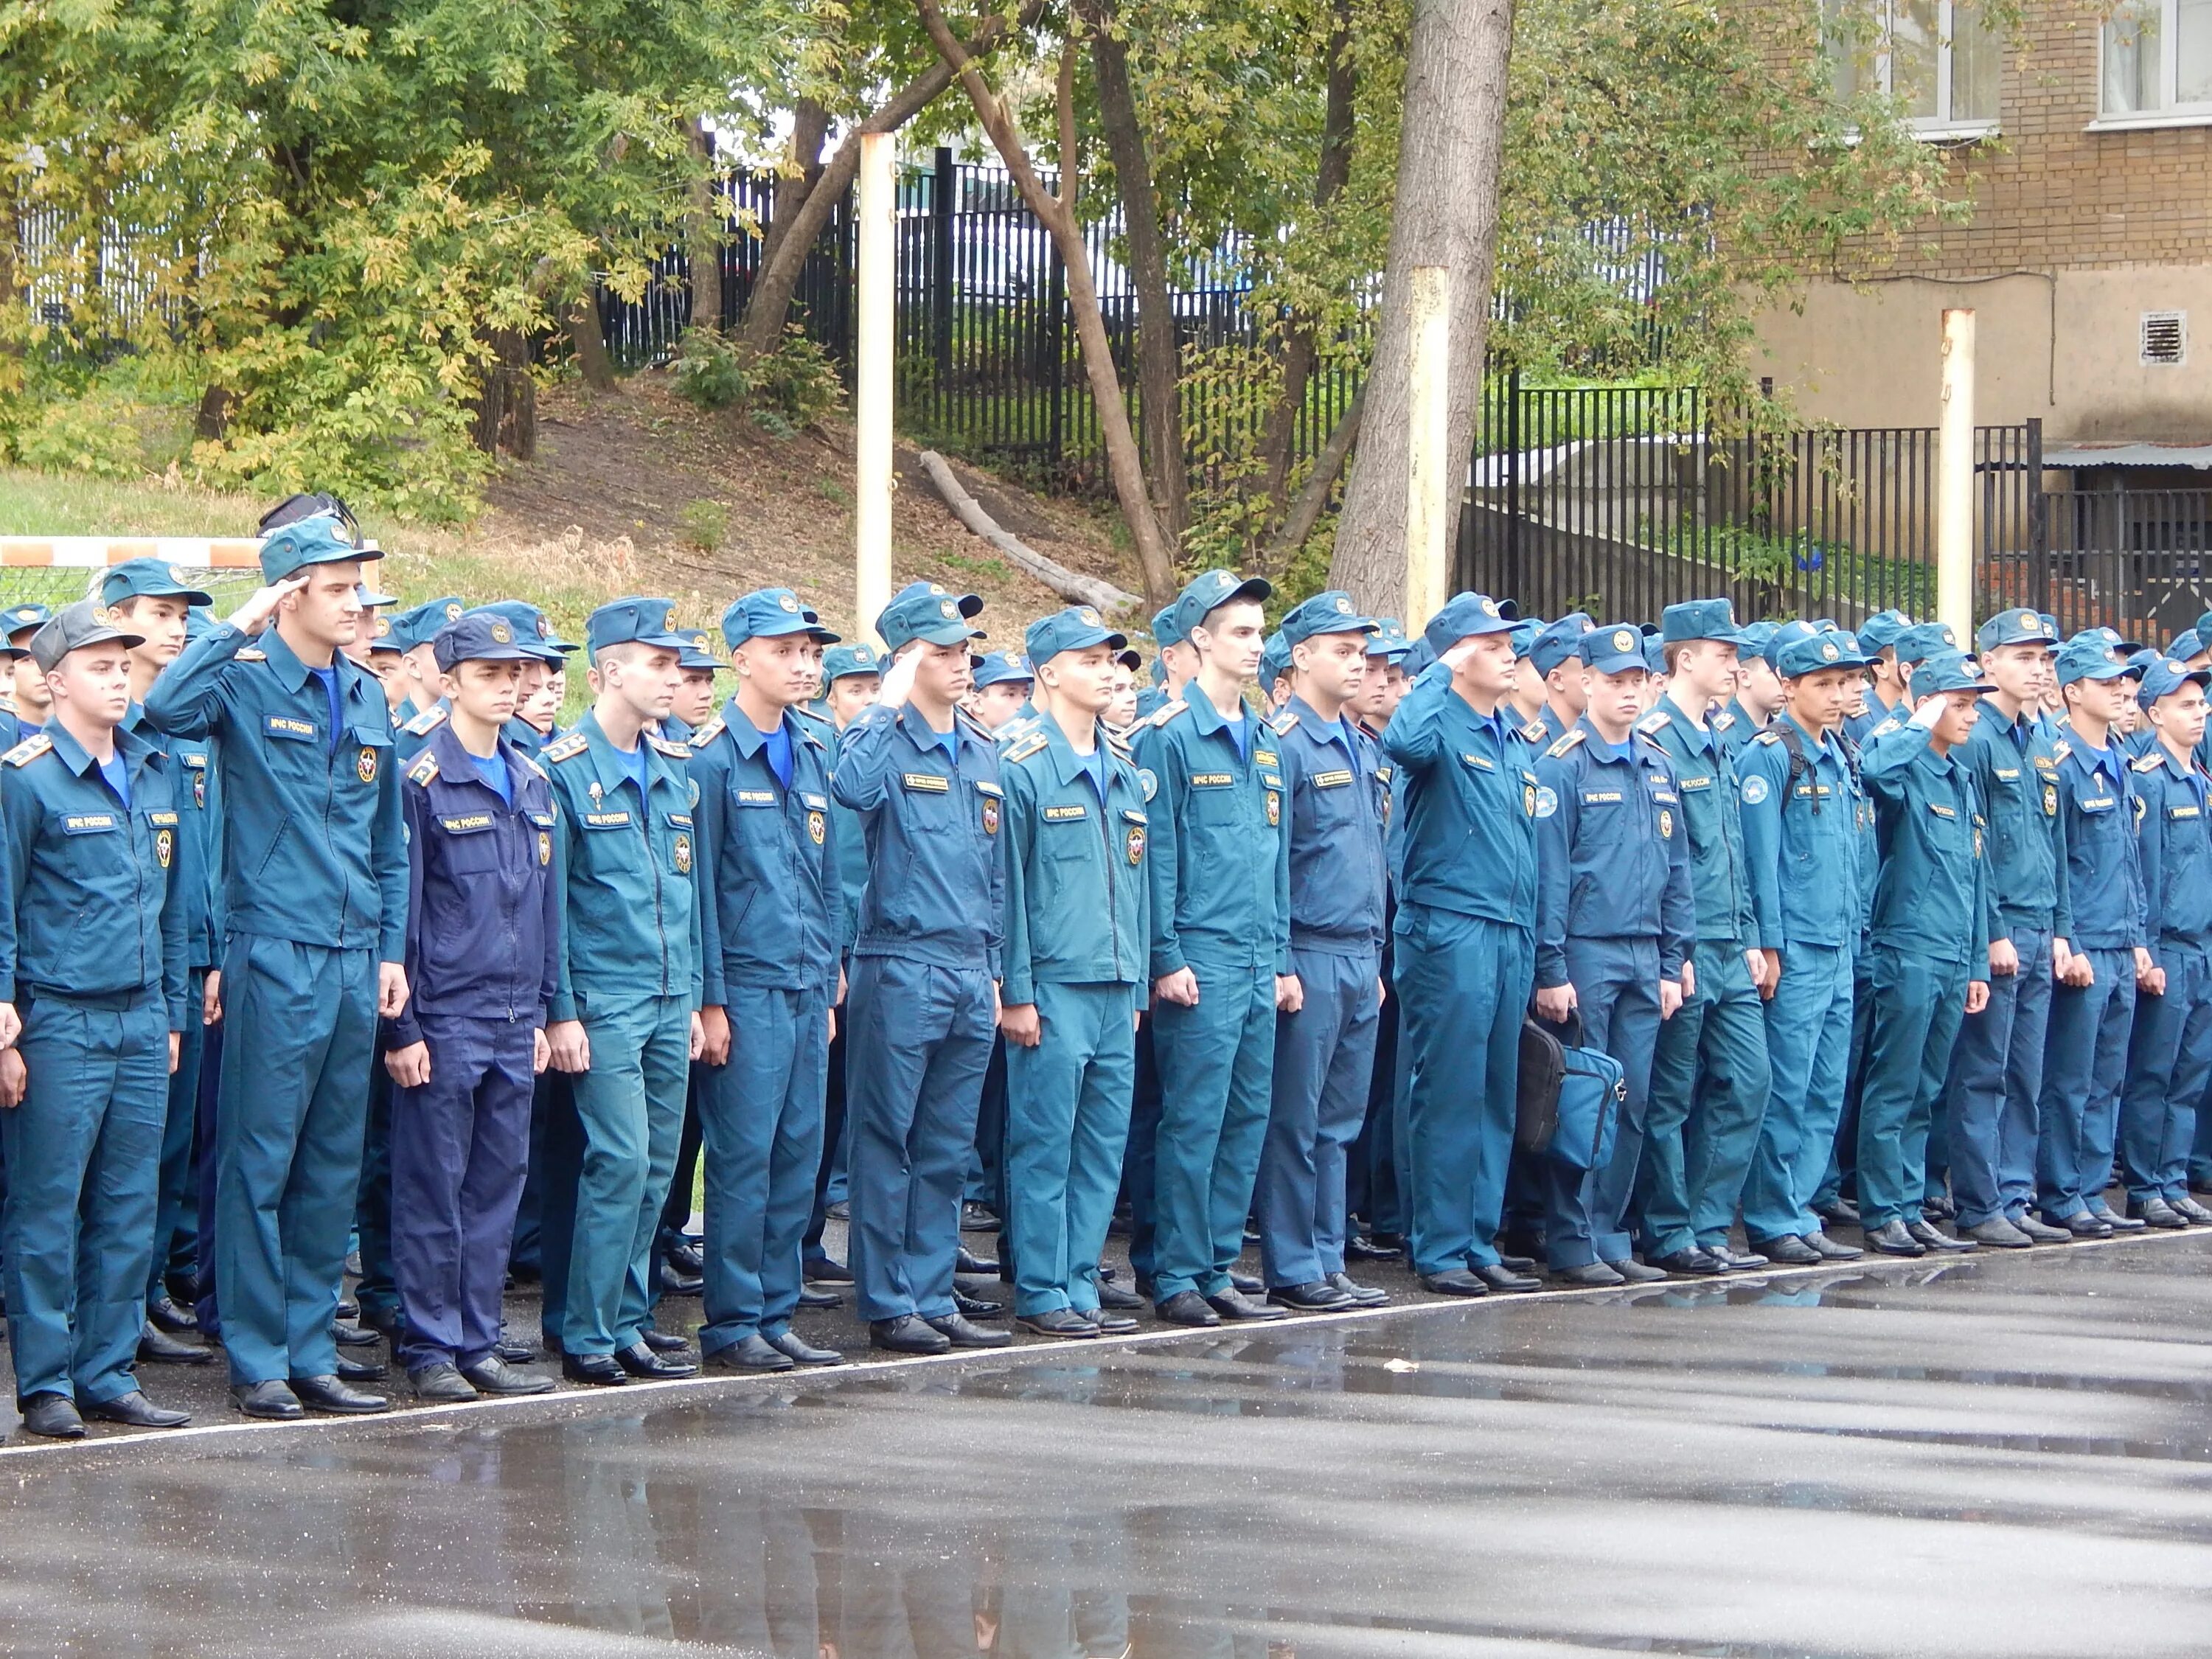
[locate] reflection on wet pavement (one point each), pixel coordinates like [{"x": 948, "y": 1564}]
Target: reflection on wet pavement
[{"x": 1995, "y": 1456}]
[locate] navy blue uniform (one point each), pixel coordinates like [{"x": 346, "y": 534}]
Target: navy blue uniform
[{"x": 2170, "y": 1048}]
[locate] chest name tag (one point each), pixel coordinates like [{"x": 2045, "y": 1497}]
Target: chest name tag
[
  {"x": 1064, "y": 814},
  {"x": 1599, "y": 797},
  {"x": 755, "y": 797},
  {"x": 928, "y": 783},
  {"x": 816, "y": 802},
  {"x": 280, "y": 726},
  {"x": 1212, "y": 780},
  {"x": 680, "y": 820},
  {"x": 1266, "y": 757},
  {"x": 1331, "y": 780},
  {"x": 2096, "y": 802},
  {"x": 2181, "y": 812},
  {"x": 159, "y": 818},
  {"x": 462, "y": 825},
  {"x": 1664, "y": 797},
  {"x": 605, "y": 820},
  {"x": 87, "y": 823},
  {"x": 1478, "y": 763},
  {"x": 1705, "y": 782},
  {"x": 1941, "y": 811},
  {"x": 2008, "y": 773}
]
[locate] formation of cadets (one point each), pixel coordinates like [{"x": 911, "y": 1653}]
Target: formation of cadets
[{"x": 319, "y": 931}]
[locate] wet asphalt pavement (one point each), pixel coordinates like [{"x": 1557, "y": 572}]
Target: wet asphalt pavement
[{"x": 1998, "y": 1456}]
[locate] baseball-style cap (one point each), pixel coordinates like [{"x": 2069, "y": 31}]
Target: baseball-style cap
[
  {"x": 22, "y": 618},
  {"x": 480, "y": 637},
  {"x": 1612, "y": 648},
  {"x": 1948, "y": 671},
  {"x": 842, "y": 661},
  {"x": 1655, "y": 652},
  {"x": 1810, "y": 652},
  {"x": 1556, "y": 641},
  {"x": 767, "y": 614},
  {"x": 633, "y": 621},
  {"x": 2186, "y": 643},
  {"x": 2087, "y": 657},
  {"x": 1524, "y": 636},
  {"x": 2167, "y": 676},
  {"x": 1881, "y": 630},
  {"x": 1925, "y": 640},
  {"x": 370, "y": 599},
  {"x": 2112, "y": 637},
  {"x": 1756, "y": 637},
  {"x": 1421, "y": 658},
  {"x": 1215, "y": 588},
  {"x": 698, "y": 656},
  {"x": 1700, "y": 619},
  {"x": 419, "y": 624},
  {"x": 1002, "y": 668},
  {"x": 201, "y": 620},
  {"x": 1326, "y": 613},
  {"x": 2013, "y": 628},
  {"x": 532, "y": 629},
  {"x": 380, "y": 635},
  {"x": 1465, "y": 616},
  {"x": 1166, "y": 631},
  {"x": 1785, "y": 635},
  {"x": 1274, "y": 659},
  {"x": 1076, "y": 629},
  {"x": 1389, "y": 639},
  {"x": 924, "y": 611},
  {"x": 150, "y": 579},
  {"x": 291, "y": 548},
  {"x": 74, "y": 626}
]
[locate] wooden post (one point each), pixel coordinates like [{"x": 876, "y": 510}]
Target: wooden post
[
  {"x": 1954, "y": 480},
  {"x": 1429, "y": 515},
  {"x": 871, "y": 378}
]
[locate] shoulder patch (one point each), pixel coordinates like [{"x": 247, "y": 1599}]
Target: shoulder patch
[
  {"x": 1768, "y": 738},
  {"x": 1565, "y": 745},
  {"x": 566, "y": 748},
  {"x": 976, "y": 727},
  {"x": 1118, "y": 744},
  {"x": 426, "y": 722},
  {"x": 1892, "y": 724},
  {"x": 673, "y": 751},
  {"x": 1656, "y": 720},
  {"x": 2060, "y": 749},
  {"x": 29, "y": 750},
  {"x": 1722, "y": 721},
  {"x": 1024, "y": 745},
  {"x": 706, "y": 733},
  {"x": 1532, "y": 732},
  {"x": 1166, "y": 712},
  {"x": 424, "y": 769},
  {"x": 250, "y": 653},
  {"x": 1283, "y": 723},
  {"x": 529, "y": 765},
  {"x": 2151, "y": 761}
]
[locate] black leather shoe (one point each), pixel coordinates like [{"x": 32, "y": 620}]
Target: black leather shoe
[
  {"x": 135, "y": 1411},
  {"x": 2119, "y": 1223},
  {"x": 2039, "y": 1231},
  {"x": 163, "y": 1311},
  {"x": 440, "y": 1385},
  {"x": 838, "y": 1209},
  {"x": 346, "y": 1308},
  {"x": 1735, "y": 1261},
  {"x": 361, "y": 1370},
  {"x": 1938, "y": 1208},
  {"x": 908, "y": 1333},
  {"x": 494, "y": 1376},
  {"x": 1245, "y": 1284},
  {"x": 662, "y": 1341},
  {"x": 641, "y": 1361},
  {"x": 51, "y": 1416},
  {"x": 687, "y": 1259},
  {"x": 2085, "y": 1225},
  {"x": 1318, "y": 1297},
  {"x": 1692, "y": 1263},
  {"x": 328, "y": 1393},
  {"x": 271, "y": 1401},
  {"x": 1062, "y": 1324},
  {"x": 1999, "y": 1235},
  {"x": 976, "y": 1266},
  {"x": 1520, "y": 1264},
  {"x": 2191, "y": 1211},
  {"x": 353, "y": 1336},
  {"x": 2157, "y": 1212},
  {"x": 750, "y": 1352},
  {"x": 955, "y": 1328},
  {"x": 1840, "y": 1212},
  {"x": 1454, "y": 1281},
  {"x": 1364, "y": 1296},
  {"x": 1829, "y": 1250},
  {"x": 157, "y": 1347},
  {"x": 1236, "y": 1306},
  {"x": 1788, "y": 1250},
  {"x": 674, "y": 1281},
  {"x": 1936, "y": 1239},
  {"x": 1506, "y": 1277},
  {"x": 1112, "y": 1295},
  {"x": 801, "y": 1351},
  {"x": 512, "y": 1350},
  {"x": 599, "y": 1369},
  {"x": 821, "y": 1270},
  {"x": 1186, "y": 1308},
  {"x": 818, "y": 1300},
  {"x": 976, "y": 1307},
  {"x": 978, "y": 1218},
  {"x": 1361, "y": 1248},
  {"x": 1109, "y": 1324},
  {"x": 387, "y": 1322},
  {"x": 1893, "y": 1237},
  {"x": 181, "y": 1289},
  {"x": 1633, "y": 1272},
  {"x": 1589, "y": 1273}
]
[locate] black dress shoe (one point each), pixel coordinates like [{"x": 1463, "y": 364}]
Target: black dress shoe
[
  {"x": 164, "y": 1312},
  {"x": 1365, "y": 1296},
  {"x": 1828, "y": 1250},
  {"x": 976, "y": 1307},
  {"x": 641, "y": 1361},
  {"x": 1935, "y": 1239},
  {"x": 955, "y": 1328},
  {"x": 328, "y": 1393},
  {"x": 674, "y": 1281},
  {"x": 1735, "y": 1261},
  {"x": 134, "y": 1410},
  {"x": 2039, "y": 1231},
  {"x": 52, "y": 1416},
  {"x": 1318, "y": 1297},
  {"x": 1893, "y": 1237},
  {"x": 440, "y": 1384},
  {"x": 908, "y": 1333},
  {"x": 662, "y": 1341},
  {"x": 838, "y": 1209},
  {"x": 821, "y": 1270},
  {"x": 346, "y": 1308},
  {"x": 801, "y": 1351},
  {"x": 1186, "y": 1308},
  {"x": 493, "y": 1375},
  {"x": 1841, "y": 1212},
  {"x": 1633, "y": 1272},
  {"x": 1505, "y": 1277},
  {"x": 1589, "y": 1273},
  {"x": 353, "y": 1336},
  {"x": 978, "y": 1218},
  {"x": 512, "y": 1350},
  {"x": 361, "y": 1370},
  {"x": 1361, "y": 1248},
  {"x": 2157, "y": 1212},
  {"x": 595, "y": 1368},
  {"x": 1062, "y": 1324},
  {"x": 386, "y": 1322},
  {"x": 2085, "y": 1225},
  {"x": 1245, "y": 1284},
  {"x": 1454, "y": 1281},
  {"x": 976, "y": 1266},
  {"x": 1238, "y": 1307},
  {"x": 1520, "y": 1264},
  {"x": 182, "y": 1289},
  {"x": 1109, "y": 1324},
  {"x": 687, "y": 1259},
  {"x": 818, "y": 1300},
  {"x": 271, "y": 1401},
  {"x": 1692, "y": 1263},
  {"x": 1121, "y": 1301},
  {"x": 1788, "y": 1250},
  {"x": 750, "y": 1352},
  {"x": 1998, "y": 1234},
  {"x": 2191, "y": 1211},
  {"x": 1938, "y": 1208},
  {"x": 157, "y": 1347},
  {"x": 2119, "y": 1223}
]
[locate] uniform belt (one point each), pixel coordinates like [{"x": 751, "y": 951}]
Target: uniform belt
[{"x": 103, "y": 1001}]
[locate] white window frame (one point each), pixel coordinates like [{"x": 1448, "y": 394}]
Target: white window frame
[
  {"x": 1940, "y": 127},
  {"x": 2169, "y": 113}
]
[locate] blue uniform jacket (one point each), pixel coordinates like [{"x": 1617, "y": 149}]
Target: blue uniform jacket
[
  {"x": 1931, "y": 894},
  {"x": 1801, "y": 840},
  {"x": 1735, "y": 727},
  {"x": 1220, "y": 852},
  {"x": 937, "y": 872},
  {"x": 850, "y": 838},
  {"x": 313, "y": 847},
  {"x": 197, "y": 823},
  {"x": 1705, "y": 779},
  {"x": 2104, "y": 874},
  {"x": 97, "y": 891},
  {"x": 484, "y": 920},
  {"x": 2016, "y": 771},
  {"x": 770, "y": 914},
  {"x": 2174, "y": 841},
  {"x": 1612, "y": 858},
  {"x": 1470, "y": 805},
  {"x": 1340, "y": 798}
]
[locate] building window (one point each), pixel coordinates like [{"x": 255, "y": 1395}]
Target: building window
[
  {"x": 2157, "y": 58},
  {"x": 1937, "y": 58}
]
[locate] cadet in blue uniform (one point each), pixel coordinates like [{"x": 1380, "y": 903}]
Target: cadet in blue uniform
[
  {"x": 2170, "y": 1051},
  {"x": 1801, "y": 844},
  {"x": 2093, "y": 1006},
  {"x": 924, "y": 778},
  {"x": 1556, "y": 655},
  {"x": 1710, "y": 1079},
  {"x": 1758, "y": 690},
  {"x": 1372, "y": 1192},
  {"x": 1615, "y": 923},
  {"x": 625, "y": 1018},
  {"x": 314, "y": 906},
  {"x": 1003, "y": 682},
  {"x": 1077, "y": 937},
  {"x": 771, "y": 922},
  {"x": 1220, "y": 949},
  {"x": 28, "y": 700},
  {"x": 93, "y": 953},
  {"x": 549, "y": 657},
  {"x": 412, "y": 631},
  {"x": 1878, "y": 635},
  {"x": 1464, "y": 943},
  {"x": 1325, "y": 1046}
]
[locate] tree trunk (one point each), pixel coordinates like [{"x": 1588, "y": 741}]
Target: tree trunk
[
  {"x": 1451, "y": 134},
  {"x": 1313, "y": 495},
  {"x": 589, "y": 343},
  {"x": 810, "y": 127},
  {"x": 702, "y": 232},
  {"x": 507, "y": 402},
  {"x": 11, "y": 347},
  {"x": 1159, "y": 350},
  {"x": 1155, "y": 557}
]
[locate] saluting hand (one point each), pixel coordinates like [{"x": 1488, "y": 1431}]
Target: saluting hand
[
  {"x": 253, "y": 615},
  {"x": 409, "y": 1066},
  {"x": 898, "y": 679}
]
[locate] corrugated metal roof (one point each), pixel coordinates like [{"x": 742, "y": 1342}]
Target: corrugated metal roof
[{"x": 2195, "y": 455}]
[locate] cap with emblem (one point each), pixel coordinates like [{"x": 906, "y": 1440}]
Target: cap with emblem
[
  {"x": 1166, "y": 631},
  {"x": 1326, "y": 613},
  {"x": 291, "y": 548},
  {"x": 1003, "y": 668},
  {"x": 1756, "y": 638},
  {"x": 419, "y": 624},
  {"x": 76, "y": 626},
  {"x": 1700, "y": 619},
  {"x": 1785, "y": 635},
  {"x": 1076, "y": 629},
  {"x": 1948, "y": 671},
  {"x": 697, "y": 655},
  {"x": 480, "y": 636},
  {"x": 2167, "y": 675},
  {"x": 765, "y": 614},
  {"x": 150, "y": 579},
  {"x": 843, "y": 661},
  {"x": 22, "y": 618},
  {"x": 1465, "y": 616},
  {"x": 1208, "y": 592},
  {"x": 2012, "y": 628},
  {"x": 532, "y": 632},
  {"x": 633, "y": 622},
  {"x": 923, "y": 610},
  {"x": 2112, "y": 637},
  {"x": 1881, "y": 631},
  {"x": 370, "y": 599},
  {"x": 1558, "y": 641},
  {"x": 200, "y": 621},
  {"x": 2139, "y": 662},
  {"x": 2087, "y": 657},
  {"x": 1854, "y": 646},
  {"x": 1389, "y": 639},
  {"x": 1613, "y": 648},
  {"x": 1924, "y": 639},
  {"x": 1274, "y": 661},
  {"x": 1809, "y": 653}
]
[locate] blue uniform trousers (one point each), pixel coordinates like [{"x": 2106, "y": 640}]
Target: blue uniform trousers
[
  {"x": 1841, "y": 1180},
  {"x": 608, "y": 1181},
  {"x": 985, "y": 1180},
  {"x": 2169, "y": 1060},
  {"x": 830, "y": 1182},
  {"x": 1324, "y": 1060},
  {"x": 1371, "y": 1167},
  {"x": 204, "y": 1169},
  {"x": 1808, "y": 1039},
  {"x": 1709, "y": 1087},
  {"x": 2200, "y": 1153},
  {"x": 1996, "y": 1072},
  {"x": 2085, "y": 1057},
  {"x": 378, "y": 1290},
  {"x": 299, "y": 1034},
  {"x": 1616, "y": 984},
  {"x": 1140, "y": 1158},
  {"x": 1068, "y": 1115},
  {"x": 460, "y": 1145},
  {"x": 1916, "y": 1004},
  {"x": 84, "y": 1152},
  {"x": 176, "y": 1204},
  {"x": 1217, "y": 1068},
  {"x": 922, "y": 1035},
  {"x": 760, "y": 1122},
  {"x": 526, "y": 1259},
  {"x": 1464, "y": 981}
]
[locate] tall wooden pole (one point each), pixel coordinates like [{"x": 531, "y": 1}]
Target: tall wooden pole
[
  {"x": 1954, "y": 481},
  {"x": 871, "y": 378},
  {"x": 1429, "y": 493}
]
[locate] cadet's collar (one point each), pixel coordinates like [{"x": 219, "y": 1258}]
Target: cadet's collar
[
  {"x": 456, "y": 765},
  {"x": 1697, "y": 736},
  {"x": 286, "y": 661},
  {"x": 74, "y": 755},
  {"x": 1205, "y": 715},
  {"x": 748, "y": 736},
  {"x": 1598, "y": 744},
  {"x": 2179, "y": 768},
  {"x": 924, "y": 736},
  {"x": 1327, "y": 731},
  {"x": 610, "y": 765},
  {"x": 1814, "y": 740},
  {"x": 1066, "y": 764}
]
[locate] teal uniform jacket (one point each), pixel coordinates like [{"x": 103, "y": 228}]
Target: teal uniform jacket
[
  {"x": 1221, "y": 855},
  {"x": 330, "y": 809},
  {"x": 2103, "y": 875},
  {"x": 1079, "y": 894},
  {"x": 630, "y": 915},
  {"x": 1614, "y": 861},
  {"x": 2015, "y": 770},
  {"x": 852, "y": 838},
  {"x": 2173, "y": 834},
  {"x": 100, "y": 892},
  {"x": 1932, "y": 896},
  {"x": 412, "y": 733},
  {"x": 1804, "y": 861},
  {"x": 1706, "y": 780},
  {"x": 192, "y": 783},
  {"x": 1735, "y": 727},
  {"x": 526, "y": 738},
  {"x": 1470, "y": 800}
]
